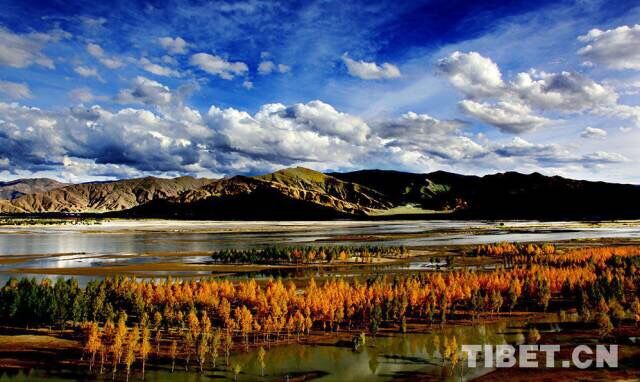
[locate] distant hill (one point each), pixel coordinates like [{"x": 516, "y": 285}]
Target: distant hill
[
  {"x": 16, "y": 188},
  {"x": 101, "y": 196},
  {"x": 300, "y": 193}
]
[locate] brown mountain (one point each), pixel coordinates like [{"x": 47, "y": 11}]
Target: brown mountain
[
  {"x": 15, "y": 188},
  {"x": 299, "y": 193},
  {"x": 101, "y": 196},
  {"x": 293, "y": 193}
]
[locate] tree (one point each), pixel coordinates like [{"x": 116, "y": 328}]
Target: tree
[
  {"x": 533, "y": 336},
  {"x": 145, "y": 347},
  {"x": 635, "y": 309},
  {"x": 617, "y": 312},
  {"x": 157, "y": 323},
  {"x": 94, "y": 343},
  {"x": 236, "y": 370},
  {"x": 261, "y": 360},
  {"x": 132, "y": 347},
  {"x": 117, "y": 347},
  {"x": 603, "y": 324},
  {"x": 203, "y": 349},
  {"x": 173, "y": 352},
  {"x": 188, "y": 348},
  {"x": 215, "y": 346},
  {"x": 496, "y": 301},
  {"x": 514, "y": 293},
  {"x": 544, "y": 294},
  {"x": 244, "y": 318},
  {"x": 444, "y": 303},
  {"x": 228, "y": 344},
  {"x": 103, "y": 357}
]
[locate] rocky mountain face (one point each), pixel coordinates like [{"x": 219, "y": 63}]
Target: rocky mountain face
[
  {"x": 101, "y": 196},
  {"x": 300, "y": 193},
  {"x": 290, "y": 193},
  {"x": 16, "y": 188}
]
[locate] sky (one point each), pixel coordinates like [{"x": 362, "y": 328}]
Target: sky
[{"x": 97, "y": 91}]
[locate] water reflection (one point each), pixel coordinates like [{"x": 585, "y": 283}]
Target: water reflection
[{"x": 392, "y": 356}]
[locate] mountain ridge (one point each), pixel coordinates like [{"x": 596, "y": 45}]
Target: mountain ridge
[
  {"x": 13, "y": 189},
  {"x": 301, "y": 193}
]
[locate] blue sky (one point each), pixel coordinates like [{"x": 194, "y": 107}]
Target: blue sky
[{"x": 92, "y": 91}]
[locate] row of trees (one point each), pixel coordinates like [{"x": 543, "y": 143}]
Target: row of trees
[
  {"x": 334, "y": 304},
  {"x": 306, "y": 254}
]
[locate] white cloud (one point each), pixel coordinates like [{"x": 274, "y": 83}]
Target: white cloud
[
  {"x": 593, "y": 132},
  {"x": 553, "y": 154},
  {"x": 473, "y": 74},
  {"x": 617, "y": 48},
  {"x": 93, "y": 23},
  {"x": 213, "y": 64},
  {"x": 282, "y": 68},
  {"x": 22, "y": 50},
  {"x": 97, "y": 52},
  {"x": 507, "y": 116},
  {"x": 156, "y": 69},
  {"x": 312, "y": 132},
  {"x": 173, "y": 45},
  {"x": 247, "y": 84},
  {"x": 424, "y": 134},
  {"x": 370, "y": 70},
  {"x": 268, "y": 67},
  {"x": 515, "y": 107},
  {"x": 145, "y": 91},
  {"x": 81, "y": 95},
  {"x": 565, "y": 91},
  {"x": 15, "y": 90},
  {"x": 602, "y": 157},
  {"x": 85, "y": 71}
]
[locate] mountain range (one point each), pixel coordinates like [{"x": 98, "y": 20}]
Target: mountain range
[{"x": 300, "y": 193}]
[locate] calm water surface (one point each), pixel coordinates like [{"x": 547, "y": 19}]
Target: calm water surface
[
  {"x": 391, "y": 357},
  {"x": 117, "y": 243}
]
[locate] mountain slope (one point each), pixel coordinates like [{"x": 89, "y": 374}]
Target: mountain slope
[
  {"x": 102, "y": 196},
  {"x": 16, "y": 188},
  {"x": 504, "y": 195},
  {"x": 296, "y": 193}
]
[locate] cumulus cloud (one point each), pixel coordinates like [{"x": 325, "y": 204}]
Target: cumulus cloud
[
  {"x": 516, "y": 106},
  {"x": 173, "y": 45},
  {"x": 268, "y": 67},
  {"x": 145, "y": 91},
  {"x": 617, "y": 48},
  {"x": 139, "y": 139},
  {"x": 422, "y": 133},
  {"x": 593, "y": 132},
  {"x": 15, "y": 90},
  {"x": 97, "y": 52},
  {"x": 219, "y": 66},
  {"x": 156, "y": 69},
  {"x": 22, "y": 50},
  {"x": 509, "y": 117},
  {"x": 81, "y": 95},
  {"x": 85, "y": 71},
  {"x": 370, "y": 70},
  {"x": 553, "y": 154},
  {"x": 472, "y": 74},
  {"x": 565, "y": 91},
  {"x": 247, "y": 84}
]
